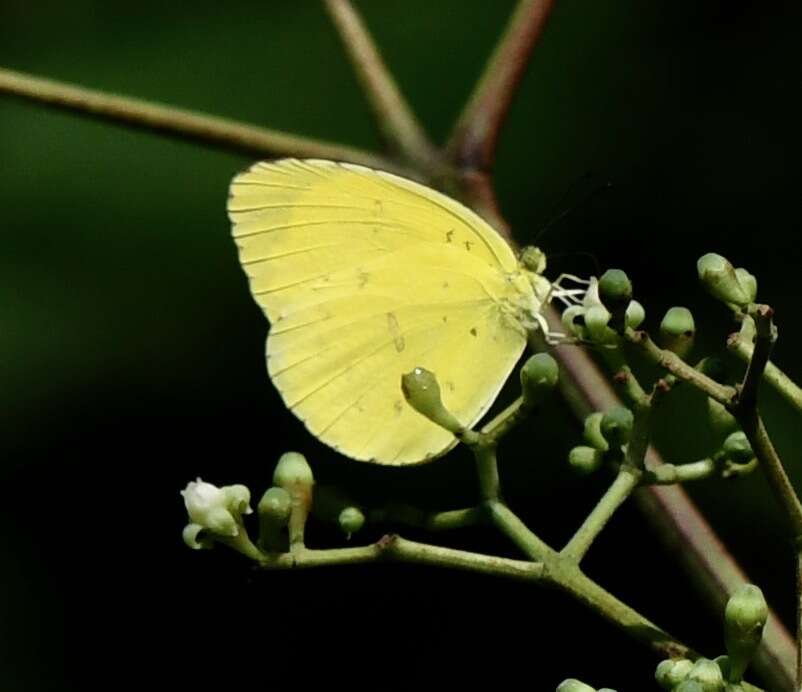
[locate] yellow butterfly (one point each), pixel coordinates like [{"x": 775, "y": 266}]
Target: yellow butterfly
[{"x": 365, "y": 275}]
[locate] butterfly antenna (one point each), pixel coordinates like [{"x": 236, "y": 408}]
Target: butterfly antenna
[{"x": 602, "y": 187}]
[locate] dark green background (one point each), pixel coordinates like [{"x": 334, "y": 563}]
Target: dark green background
[{"x": 131, "y": 354}]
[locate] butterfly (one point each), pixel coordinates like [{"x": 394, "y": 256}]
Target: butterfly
[{"x": 364, "y": 276}]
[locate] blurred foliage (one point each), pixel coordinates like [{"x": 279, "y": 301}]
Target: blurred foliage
[{"x": 131, "y": 354}]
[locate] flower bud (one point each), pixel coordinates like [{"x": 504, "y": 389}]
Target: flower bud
[
  {"x": 616, "y": 425},
  {"x": 597, "y": 318},
  {"x": 748, "y": 283},
  {"x": 744, "y": 618},
  {"x": 294, "y": 474},
  {"x": 584, "y": 460},
  {"x": 719, "y": 278},
  {"x": 592, "y": 432},
  {"x": 539, "y": 376},
  {"x": 707, "y": 674},
  {"x": 737, "y": 448},
  {"x": 196, "y": 537},
  {"x": 274, "y": 512},
  {"x": 351, "y": 519},
  {"x": 672, "y": 672},
  {"x": 634, "y": 315},
  {"x": 677, "y": 331},
  {"x": 615, "y": 290},
  {"x": 572, "y": 685},
  {"x": 722, "y": 422},
  {"x": 422, "y": 392},
  {"x": 690, "y": 686}
]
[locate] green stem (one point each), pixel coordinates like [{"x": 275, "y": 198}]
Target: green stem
[
  {"x": 487, "y": 470},
  {"x": 765, "y": 336},
  {"x": 799, "y": 617},
  {"x": 397, "y": 123},
  {"x": 398, "y": 549},
  {"x": 755, "y": 430},
  {"x": 512, "y": 527},
  {"x": 186, "y": 124},
  {"x": 505, "y": 421},
  {"x": 782, "y": 384},
  {"x": 678, "y": 367},
  {"x": 625, "y": 482}
]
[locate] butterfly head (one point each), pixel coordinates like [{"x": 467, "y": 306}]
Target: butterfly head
[{"x": 533, "y": 259}]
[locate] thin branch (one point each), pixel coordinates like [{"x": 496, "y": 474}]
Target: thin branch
[
  {"x": 185, "y": 124},
  {"x": 676, "y": 519},
  {"x": 397, "y": 123},
  {"x": 397, "y": 549},
  {"x": 765, "y": 336},
  {"x": 473, "y": 141},
  {"x": 783, "y": 384}
]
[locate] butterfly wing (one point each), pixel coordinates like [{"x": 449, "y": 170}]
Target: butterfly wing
[{"x": 364, "y": 276}]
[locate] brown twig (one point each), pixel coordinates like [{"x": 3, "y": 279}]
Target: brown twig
[
  {"x": 472, "y": 144},
  {"x": 184, "y": 124},
  {"x": 398, "y": 125}
]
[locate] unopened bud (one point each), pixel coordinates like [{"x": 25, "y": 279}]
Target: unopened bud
[
  {"x": 634, "y": 315},
  {"x": 748, "y": 283},
  {"x": 677, "y": 331},
  {"x": 572, "y": 685},
  {"x": 539, "y": 376},
  {"x": 744, "y": 619},
  {"x": 584, "y": 460},
  {"x": 294, "y": 474},
  {"x": 616, "y": 425},
  {"x": 672, "y": 672},
  {"x": 737, "y": 448},
  {"x": 718, "y": 276},
  {"x": 351, "y": 519},
  {"x": 615, "y": 290},
  {"x": 274, "y": 512},
  {"x": 707, "y": 674},
  {"x": 422, "y": 392}
]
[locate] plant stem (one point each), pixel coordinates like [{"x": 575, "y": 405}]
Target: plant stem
[
  {"x": 783, "y": 384},
  {"x": 625, "y": 482},
  {"x": 398, "y": 549},
  {"x": 678, "y": 367},
  {"x": 176, "y": 122},
  {"x": 512, "y": 527},
  {"x": 397, "y": 123},
  {"x": 473, "y": 140}
]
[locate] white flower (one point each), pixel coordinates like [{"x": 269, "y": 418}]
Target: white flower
[{"x": 214, "y": 509}]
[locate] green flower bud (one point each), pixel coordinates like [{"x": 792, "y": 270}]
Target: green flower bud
[
  {"x": 719, "y": 278},
  {"x": 744, "y": 618},
  {"x": 707, "y": 674},
  {"x": 737, "y": 448},
  {"x": 585, "y": 460},
  {"x": 721, "y": 420},
  {"x": 539, "y": 376},
  {"x": 748, "y": 283},
  {"x": 615, "y": 290},
  {"x": 677, "y": 331},
  {"x": 634, "y": 315},
  {"x": 592, "y": 432},
  {"x": 422, "y": 392},
  {"x": 293, "y": 469},
  {"x": 351, "y": 519},
  {"x": 294, "y": 474},
  {"x": 616, "y": 425},
  {"x": 274, "y": 511},
  {"x": 672, "y": 672},
  {"x": 597, "y": 318},
  {"x": 690, "y": 686},
  {"x": 573, "y": 321},
  {"x": 572, "y": 685},
  {"x": 606, "y": 689}
]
